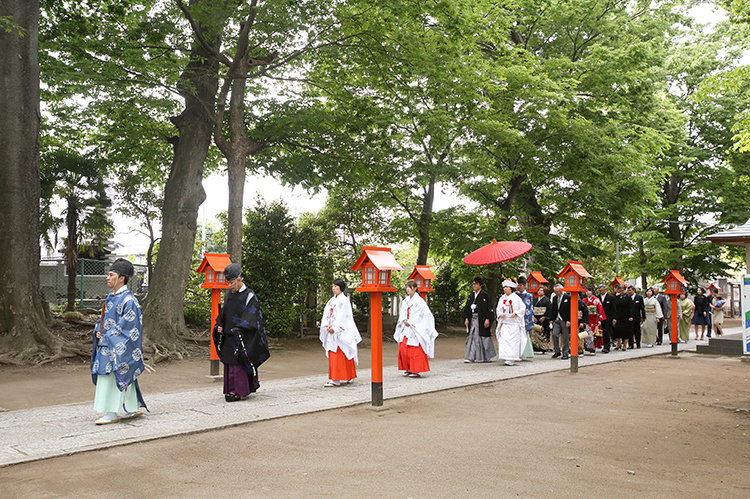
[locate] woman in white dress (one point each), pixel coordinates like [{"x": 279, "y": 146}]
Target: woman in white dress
[
  {"x": 511, "y": 331},
  {"x": 339, "y": 336},
  {"x": 649, "y": 328},
  {"x": 415, "y": 334}
]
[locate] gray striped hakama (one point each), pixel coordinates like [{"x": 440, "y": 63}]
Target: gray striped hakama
[{"x": 478, "y": 348}]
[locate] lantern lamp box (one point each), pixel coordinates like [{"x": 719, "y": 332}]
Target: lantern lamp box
[
  {"x": 673, "y": 282},
  {"x": 615, "y": 282},
  {"x": 376, "y": 265},
  {"x": 574, "y": 277},
  {"x": 213, "y": 266},
  {"x": 423, "y": 276},
  {"x": 535, "y": 280},
  {"x": 713, "y": 286}
]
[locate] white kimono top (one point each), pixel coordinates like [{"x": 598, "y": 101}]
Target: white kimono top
[
  {"x": 338, "y": 315},
  {"x": 421, "y": 330},
  {"x": 510, "y": 311}
]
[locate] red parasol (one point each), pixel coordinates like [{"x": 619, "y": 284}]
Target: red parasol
[{"x": 497, "y": 252}]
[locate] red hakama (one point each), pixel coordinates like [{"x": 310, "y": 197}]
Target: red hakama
[
  {"x": 339, "y": 367},
  {"x": 412, "y": 358}
]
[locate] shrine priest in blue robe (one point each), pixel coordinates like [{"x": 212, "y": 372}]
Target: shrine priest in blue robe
[
  {"x": 240, "y": 337},
  {"x": 117, "y": 353}
]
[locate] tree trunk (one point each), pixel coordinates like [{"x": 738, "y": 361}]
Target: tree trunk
[
  {"x": 71, "y": 251},
  {"x": 672, "y": 191},
  {"x": 236, "y": 151},
  {"x": 425, "y": 219},
  {"x": 163, "y": 319},
  {"x": 23, "y": 328}
]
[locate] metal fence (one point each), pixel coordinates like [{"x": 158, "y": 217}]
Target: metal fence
[{"x": 91, "y": 281}]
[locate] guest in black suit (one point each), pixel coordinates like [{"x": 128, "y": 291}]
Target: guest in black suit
[
  {"x": 666, "y": 309},
  {"x": 478, "y": 316},
  {"x": 639, "y": 316},
  {"x": 622, "y": 322},
  {"x": 608, "y": 303}
]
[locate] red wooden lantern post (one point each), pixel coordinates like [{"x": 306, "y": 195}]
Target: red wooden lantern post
[
  {"x": 213, "y": 266},
  {"x": 534, "y": 281},
  {"x": 574, "y": 276},
  {"x": 673, "y": 287},
  {"x": 423, "y": 276},
  {"x": 376, "y": 265},
  {"x": 614, "y": 283}
]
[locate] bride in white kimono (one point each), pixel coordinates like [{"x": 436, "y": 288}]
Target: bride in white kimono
[
  {"x": 415, "y": 334},
  {"x": 511, "y": 331}
]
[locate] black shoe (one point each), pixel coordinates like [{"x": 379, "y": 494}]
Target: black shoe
[
  {"x": 230, "y": 397},
  {"x": 565, "y": 357},
  {"x": 556, "y": 355},
  {"x": 605, "y": 351},
  {"x": 630, "y": 347}
]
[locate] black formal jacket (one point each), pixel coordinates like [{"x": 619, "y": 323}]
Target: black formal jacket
[
  {"x": 624, "y": 308},
  {"x": 544, "y": 303},
  {"x": 608, "y": 304},
  {"x": 639, "y": 311},
  {"x": 484, "y": 309},
  {"x": 563, "y": 307}
]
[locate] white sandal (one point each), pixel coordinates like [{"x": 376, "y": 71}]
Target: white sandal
[{"x": 331, "y": 383}]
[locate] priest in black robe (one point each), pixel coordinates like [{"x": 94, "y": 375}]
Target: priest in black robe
[{"x": 240, "y": 337}]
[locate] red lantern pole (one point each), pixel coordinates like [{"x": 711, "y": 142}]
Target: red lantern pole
[
  {"x": 214, "y": 356},
  {"x": 376, "y": 338},
  {"x": 673, "y": 336},
  {"x": 574, "y": 331}
]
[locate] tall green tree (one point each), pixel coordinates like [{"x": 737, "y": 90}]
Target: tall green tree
[
  {"x": 704, "y": 181},
  {"x": 395, "y": 101},
  {"x": 281, "y": 264},
  {"x": 24, "y": 333},
  {"x": 565, "y": 153}
]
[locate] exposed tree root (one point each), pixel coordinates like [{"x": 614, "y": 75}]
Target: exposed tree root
[
  {"x": 40, "y": 356},
  {"x": 157, "y": 352},
  {"x": 197, "y": 339}
]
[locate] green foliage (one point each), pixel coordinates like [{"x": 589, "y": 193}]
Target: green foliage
[
  {"x": 447, "y": 301},
  {"x": 7, "y": 24},
  {"x": 280, "y": 262},
  {"x": 197, "y": 308}
]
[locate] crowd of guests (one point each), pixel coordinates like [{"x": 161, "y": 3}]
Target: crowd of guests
[{"x": 607, "y": 321}]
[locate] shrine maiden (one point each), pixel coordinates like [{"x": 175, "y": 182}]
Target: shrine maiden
[
  {"x": 415, "y": 334},
  {"x": 339, "y": 336},
  {"x": 511, "y": 329}
]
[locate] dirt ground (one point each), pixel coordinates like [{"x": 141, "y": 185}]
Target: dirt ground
[
  {"x": 654, "y": 427},
  {"x": 289, "y": 358}
]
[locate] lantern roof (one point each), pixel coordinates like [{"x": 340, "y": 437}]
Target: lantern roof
[
  {"x": 576, "y": 268},
  {"x": 617, "y": 280},
  {"x": 675, "y": 275},
  {"x": 215, "y": 261},
  {"x": 713, "y": 285},
  {"x": 381, "y": 258},
  {"x": 423, "y": 271},
  {"x": 537, "y": 276}
]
